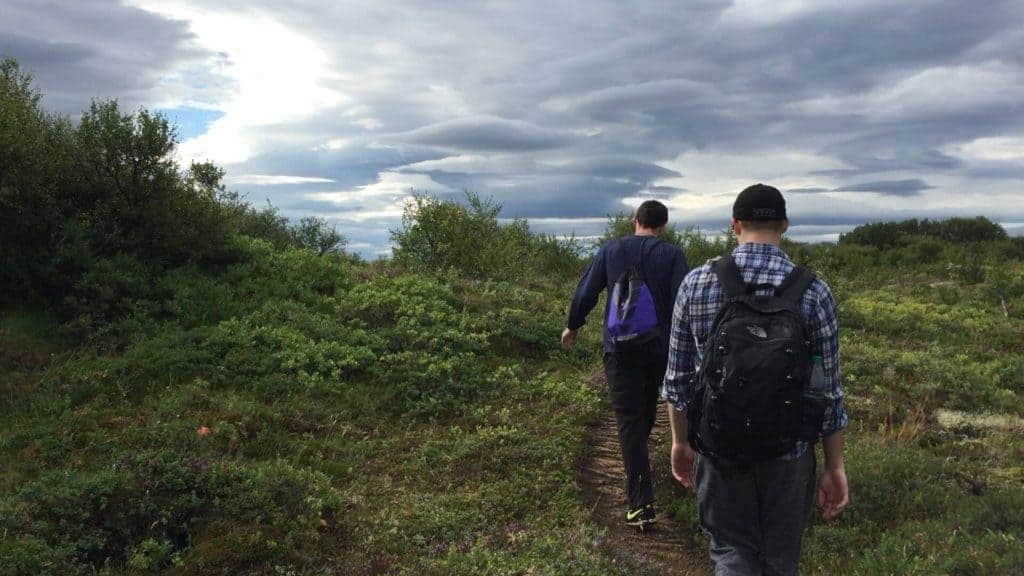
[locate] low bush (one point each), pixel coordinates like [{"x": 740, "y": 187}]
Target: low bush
[
  {"x": 285, "y": 346},
  {"x": 153, "y": 509}
]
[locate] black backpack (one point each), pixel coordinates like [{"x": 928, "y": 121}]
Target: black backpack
[{"x": 755, "y": 371}]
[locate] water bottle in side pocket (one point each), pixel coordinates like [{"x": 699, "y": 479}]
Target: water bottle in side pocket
[{"x": 814, "y": 402}]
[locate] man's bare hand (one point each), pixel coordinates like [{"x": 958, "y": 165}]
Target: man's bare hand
[
  {"x": 833, "y": 493},
  {"x": 568, "y": 337},
  {"x": 682, "y": 463}
]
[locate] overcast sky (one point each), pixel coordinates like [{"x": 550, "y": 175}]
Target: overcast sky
[{"x": 564, "y": 112}]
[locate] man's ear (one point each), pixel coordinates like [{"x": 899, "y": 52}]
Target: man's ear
[
  {"x": 737, "y": 227},
  {"x": 785, "y": 226}
]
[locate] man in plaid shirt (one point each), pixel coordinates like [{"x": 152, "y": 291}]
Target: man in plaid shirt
[{"x": 755, "y": 516}]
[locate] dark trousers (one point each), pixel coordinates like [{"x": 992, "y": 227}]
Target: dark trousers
[
  {"x": 634, "y": 379},
  {"x": 755, "y": 516}
]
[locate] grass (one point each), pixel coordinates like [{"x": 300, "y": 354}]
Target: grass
[
  {"x": 306, "y": 415},
  {"x": 931, "y": 495},
  {"x": 395, "y": 424},
  {"x": 934, "y": 376}
]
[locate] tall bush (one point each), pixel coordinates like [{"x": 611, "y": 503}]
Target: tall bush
[
  {"x": 884, "y": 235},
  {"x": 439, "y": 235}
]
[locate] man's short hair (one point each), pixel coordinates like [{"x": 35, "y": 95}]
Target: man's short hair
[
  {"x": 777, "y": 226},
  {"x": 652, "y": 214}
]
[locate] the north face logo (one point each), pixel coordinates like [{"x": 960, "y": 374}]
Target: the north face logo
[{"x": 757, "y": 331}]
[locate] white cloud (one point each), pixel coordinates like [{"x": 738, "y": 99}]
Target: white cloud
[
  {"x": 280, "y": 77},
  {"x": 996, "y": 148},
  {"x": 273, "y": 180},
  {"x": 385, "y": 199},
  {"x": 750, "y": 13},
  {"x": 939, "y": 90},
  {"x": 570, "y": 114}
]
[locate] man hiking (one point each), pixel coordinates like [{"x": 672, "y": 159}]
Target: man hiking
[
  {"x": 642, "y": 275},
  {"x": 752, "y": 382}
]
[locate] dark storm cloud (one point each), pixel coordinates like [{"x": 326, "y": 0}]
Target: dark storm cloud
[
  {"x": 997, "y": 170},
  {"x": 78, "y": 51},
  {"x": 635, "y": 171},
  {"x": 562, "y": 196},
  {"x": 644, "y": 100},
  {"x": 909, "y": 187},
  {"x": 853, "y": 153}
]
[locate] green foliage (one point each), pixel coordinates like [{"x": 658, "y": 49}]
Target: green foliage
[
  {"x": 34, "y": 160},
  {"x": 440, "y": 235},
  {"x": 435, "y": 358},
  {"x": 264, "y": 273},
  {"x": 310, "y": 382},
  {"x": 150, "y": 509},
  {"x": 239, "y": 396},
  {"x": 80, "y": 202},
  {"x": 110, "y": 290},
  {"x": 316, "y": 234},
  {"x": 897, "y": 234},
  {"x": 129, "y": 196},
  {"x": 285, "y": 346}
]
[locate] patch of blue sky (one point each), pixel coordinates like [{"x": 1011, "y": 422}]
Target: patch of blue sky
[{"x": 190, "y": 122}]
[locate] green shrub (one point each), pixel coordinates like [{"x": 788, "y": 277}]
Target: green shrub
[
  {"x": 925, "y": 250},
  {"x": 285, "y": 346},
  {"x": 967, "y": 271},
  {"x": 525, "y": 332},
  {"x": 35, "y": 159},
  {"x": 883, "y": 235},
  {"x": 110, "y": 290},
  {"x": 435, "y": 355},
  {"x": 1004, "y": 284},
  {"x": 265, "y": 273},
  {"x": 169, "y": 356},
  {"x": 441, "y": 235},
  {"x": 314, "y": 233},
  {"x": 154, "y": 510}
]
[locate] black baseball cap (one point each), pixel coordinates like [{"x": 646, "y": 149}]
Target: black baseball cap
[{"x": 759, "y": 202}]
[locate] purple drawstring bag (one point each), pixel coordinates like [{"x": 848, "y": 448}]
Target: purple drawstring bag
[{"x": 632, "y": 316}]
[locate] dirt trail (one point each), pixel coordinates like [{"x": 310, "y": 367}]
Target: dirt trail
[{"x": 664, "y": 549}]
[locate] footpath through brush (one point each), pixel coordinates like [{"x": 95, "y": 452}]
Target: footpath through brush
[{"x": 663, "y": 549}]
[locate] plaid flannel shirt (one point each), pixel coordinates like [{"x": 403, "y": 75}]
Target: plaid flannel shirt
[{"x": 701, "y": 296}]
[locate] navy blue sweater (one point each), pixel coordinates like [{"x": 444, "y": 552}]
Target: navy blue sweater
[{"x": 664, "y": 267}]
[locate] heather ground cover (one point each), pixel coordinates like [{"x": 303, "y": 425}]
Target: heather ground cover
[{"x": 190, "y": 385}]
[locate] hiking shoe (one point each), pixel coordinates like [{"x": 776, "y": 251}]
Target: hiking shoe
[{"x": 642, "y": 516}]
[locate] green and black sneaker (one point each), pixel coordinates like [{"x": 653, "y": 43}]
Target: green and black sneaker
[{"x": 642, "y": 516}]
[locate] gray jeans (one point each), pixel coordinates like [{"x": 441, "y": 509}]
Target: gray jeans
[{"x": 756, "y": 517}]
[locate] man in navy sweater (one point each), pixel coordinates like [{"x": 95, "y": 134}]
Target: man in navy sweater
[{"x": 635, "y": 374}]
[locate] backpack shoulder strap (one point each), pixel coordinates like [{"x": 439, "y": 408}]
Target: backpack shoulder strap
[
  {"x": 729, "y": 276},
  {"x": 645, "y": 251},
  {"x": 794, "y": 286}
]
